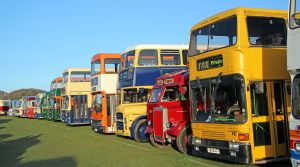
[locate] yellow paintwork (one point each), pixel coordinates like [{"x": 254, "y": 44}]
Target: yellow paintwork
[
  {"x": 76, "y": 88},
  {"x": 130, "y": 112},
  {"x": 254, "y": 63}
]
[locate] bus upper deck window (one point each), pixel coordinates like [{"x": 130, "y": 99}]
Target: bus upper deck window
[
  {"x": 111, "y": 65},
  {"x": 170, "y": 57},
  {"x": 129, "y": 59},
  {"x": 148, "y": 57},
  {"x": 266, "y": 31}
]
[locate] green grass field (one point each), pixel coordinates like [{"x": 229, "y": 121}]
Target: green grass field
[{"x": 27, "y": 142}]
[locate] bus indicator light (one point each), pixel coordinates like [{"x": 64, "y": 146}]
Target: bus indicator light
[{"x": 243, "y": 137}]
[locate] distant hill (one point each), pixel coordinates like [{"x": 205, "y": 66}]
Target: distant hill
[
  {"x": 17, "y": 94},
  {"x": 2, "y": 93}
]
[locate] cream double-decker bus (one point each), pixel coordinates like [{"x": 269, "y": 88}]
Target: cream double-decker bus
[{"x": 76, "y": 97}]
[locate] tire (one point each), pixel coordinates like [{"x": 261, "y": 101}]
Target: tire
[
  {"x": 156, "y": 144},
  {"x": 182, "y": 140},
  {"x": 140, "y": 131}
]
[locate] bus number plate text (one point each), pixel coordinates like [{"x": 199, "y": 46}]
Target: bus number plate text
[{"x": 213, "y": 150}]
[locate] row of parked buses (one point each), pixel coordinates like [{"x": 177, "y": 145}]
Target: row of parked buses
[{"x": 234, "y": 100}]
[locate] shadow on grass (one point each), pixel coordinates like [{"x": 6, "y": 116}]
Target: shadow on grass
[
  {"x": 2, "y": 121},
  {"x": 57, "y": 162},
  {"x": 11, "y": 151}
]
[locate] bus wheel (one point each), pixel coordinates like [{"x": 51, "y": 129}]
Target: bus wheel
[
  {"x": 182, "y": 140},
  {"x": 140, "y": 131},
  {"x": 156, "y": 144}
]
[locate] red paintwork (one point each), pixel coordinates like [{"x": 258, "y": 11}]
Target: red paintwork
[
  {"x": 28, "y": 111},
  {"x": 178, "y": 111},
  {"x": 4, "y": 108}
]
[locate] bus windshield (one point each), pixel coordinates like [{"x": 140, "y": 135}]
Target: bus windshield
[
  {"x": 111, "y": 65},
  {"x": 97, "y": 102},
  {"x": 127, "y": 59},
  {"x": 294, "y": 14},
  {"x": 170, "y": 57},
  {"x": 220, "y": 99},
  {"x": 135, "y": 95},
  {"x": 214, "y": 36},
  {"x": 266, "y": 31},
  {"x": 148, "y": 57},
  {"x": 65, "y": 102},
  {"x": 95, "y": 67},
  {"x": 65, "y": 77},
  {"x": 52, "y": 103},
  {"x": 155, "y": 94},
  {"x": 172, "y": 94},
  {"x": 80, "y": 77}
]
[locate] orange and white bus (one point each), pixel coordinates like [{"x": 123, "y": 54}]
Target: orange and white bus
[{"x": 104, "y": 76}]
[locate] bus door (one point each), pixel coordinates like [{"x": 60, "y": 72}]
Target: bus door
[
  {"x": 269, "y": 120},
  {"x": 83, "y": 106},
  {"x": 110, "y": 108}
]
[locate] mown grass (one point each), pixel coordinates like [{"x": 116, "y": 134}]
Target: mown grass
[{"x": 41, "y": 143}]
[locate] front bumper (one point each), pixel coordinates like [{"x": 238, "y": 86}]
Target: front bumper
[{"x": 242, "y": 155}]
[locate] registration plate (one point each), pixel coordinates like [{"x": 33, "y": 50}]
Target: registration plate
[{"x": 213, "y": 150}]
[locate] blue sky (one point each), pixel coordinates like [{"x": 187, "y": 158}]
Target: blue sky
[{"x": 40, "y": 38}]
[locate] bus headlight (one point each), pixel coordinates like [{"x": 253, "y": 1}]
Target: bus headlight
[
  {"x": 196, "y": 141},
  {"x": 297, "y": 146},
  {"x": 168, "y": 124},
  {"x": 234, "y": 146},
  {"x": 149, "y": 123}
]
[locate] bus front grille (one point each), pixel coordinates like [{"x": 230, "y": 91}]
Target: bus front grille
[
  {"x": 213, "y": 135},
  {"x": 215, "y": 143}
]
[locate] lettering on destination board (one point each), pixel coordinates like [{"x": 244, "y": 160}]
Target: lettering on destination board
[{"x": 210, "y": 62}]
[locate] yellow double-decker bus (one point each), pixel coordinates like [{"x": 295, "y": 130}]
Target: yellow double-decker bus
[
  {"x": 239, "y": 86},
  {"x": 76, "y": 97},
  {"x": 140, "y": 66}
]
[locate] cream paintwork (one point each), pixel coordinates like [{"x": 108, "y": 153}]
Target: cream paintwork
[
  {"x": 106, "y": 83},
  {"x": 4, "y": 102},
  {"x": 76, "y": 88},
  {"x": 293, "y": 58},
  {"x": 156, "y": 46}
]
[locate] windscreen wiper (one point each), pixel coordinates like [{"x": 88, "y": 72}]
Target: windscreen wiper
[
  {"x": 213, "y": 92},
  {"x": 202, "y": 94}
]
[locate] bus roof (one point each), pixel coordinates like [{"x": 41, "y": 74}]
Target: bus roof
[
  {"x": 105, "y": 55},
  {"x": 57, "y": 79},
  {"x": 77, "y": 70},
  {"x": 156, "y": 46},
  {"x": 29, "y": 98},
  {"x": 244, "y": 11}
]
